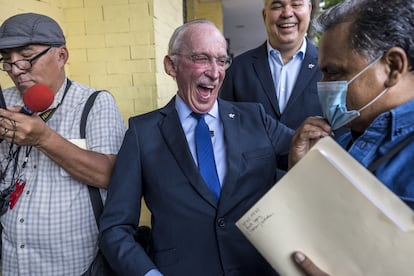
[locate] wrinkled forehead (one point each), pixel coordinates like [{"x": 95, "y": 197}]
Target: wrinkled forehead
[
  {"x": 340, "y": 33},
  {"x": 205, "y": 38}
]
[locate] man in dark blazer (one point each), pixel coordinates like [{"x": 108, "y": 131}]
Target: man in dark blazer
[
  {"x": 284, "y": 68},
  {"x": 249, "y": 79},
  {"x": 193, "y": 233}
]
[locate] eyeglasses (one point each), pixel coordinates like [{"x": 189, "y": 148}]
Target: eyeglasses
[
  {"x": 206, "y": 60},
  {"x": 22, "y": 64}
]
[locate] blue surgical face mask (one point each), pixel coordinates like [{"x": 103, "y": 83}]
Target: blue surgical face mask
[{"x": 332, "y": 97}]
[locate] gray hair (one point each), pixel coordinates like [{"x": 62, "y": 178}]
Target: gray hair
[{"x": 376, "y": 25}]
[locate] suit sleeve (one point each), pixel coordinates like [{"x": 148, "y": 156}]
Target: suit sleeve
[
  {"x": 279, "y": 134},
  {"x": 121, "y": 213}
]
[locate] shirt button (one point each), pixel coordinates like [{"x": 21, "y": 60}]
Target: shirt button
[
  {"x": 22, "y": 246},
  {"x": 28, "y": 192},
  {"x": 221, "y": 222},
  {"x": 21, "y": 220}
]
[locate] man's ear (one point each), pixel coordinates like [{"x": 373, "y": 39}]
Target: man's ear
[
  {"x": 169, "y": 66},
  {"x": 397, "y": 61},
  {"x": 63, "y": 54}
]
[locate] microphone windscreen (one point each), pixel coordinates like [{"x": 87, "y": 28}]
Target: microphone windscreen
[{"x": 38, "y": 97}]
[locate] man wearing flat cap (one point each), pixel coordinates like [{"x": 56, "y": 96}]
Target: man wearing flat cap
[{"x": 47, "y": 216}]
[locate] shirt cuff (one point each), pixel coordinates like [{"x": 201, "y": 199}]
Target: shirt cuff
[{"x": 153, "y": 272}]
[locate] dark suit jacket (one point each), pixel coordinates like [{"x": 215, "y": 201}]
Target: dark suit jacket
[
  {"x": 191, "y": 234},
  {"x": 249, "y": 79}
]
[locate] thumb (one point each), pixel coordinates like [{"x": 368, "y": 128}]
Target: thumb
[{"x": 307, "y": 266}]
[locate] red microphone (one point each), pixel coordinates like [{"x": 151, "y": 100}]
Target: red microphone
[{"x": 37, "y": 98}]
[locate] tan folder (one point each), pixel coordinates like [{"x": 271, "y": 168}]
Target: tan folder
[{"x": 334, "y": 210}]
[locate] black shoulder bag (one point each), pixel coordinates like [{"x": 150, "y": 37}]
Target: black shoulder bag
[{"x": 99, "y": 266}]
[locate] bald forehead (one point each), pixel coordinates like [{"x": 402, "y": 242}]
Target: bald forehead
[
  {"x": 203, "y": 31},
  {"x": 204, "y": 39},
  {"x": 202, "y": 28}
]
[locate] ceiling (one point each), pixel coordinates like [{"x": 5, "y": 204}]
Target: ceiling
[{"x": 243, "y": 24}]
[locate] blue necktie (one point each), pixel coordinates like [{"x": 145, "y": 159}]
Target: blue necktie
[{"x": 205, "y": 155}]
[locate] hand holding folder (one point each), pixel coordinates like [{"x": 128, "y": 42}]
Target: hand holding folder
[{"x": 334, "y": 210}]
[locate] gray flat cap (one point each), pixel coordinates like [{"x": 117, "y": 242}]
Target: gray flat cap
[{"x": 30, "y": 28}]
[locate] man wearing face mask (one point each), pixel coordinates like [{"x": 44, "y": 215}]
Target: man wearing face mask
[
  {"x": 332, "y": 96},
  {"x": 368, "y": 86}
]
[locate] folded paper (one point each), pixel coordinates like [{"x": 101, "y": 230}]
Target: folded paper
[{"x": 336, "y": 212}]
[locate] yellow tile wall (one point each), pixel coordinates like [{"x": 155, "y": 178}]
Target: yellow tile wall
[
  {"x": 211, "y": 10},
  {"x": 117, "y": 45}
]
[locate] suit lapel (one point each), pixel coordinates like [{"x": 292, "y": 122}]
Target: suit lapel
[
  {"x": 174, "y": 137},
  {"x": 230, "y": 195},
  {"x": 262, "y": 69},
  {"x": 307, "y": 72}
]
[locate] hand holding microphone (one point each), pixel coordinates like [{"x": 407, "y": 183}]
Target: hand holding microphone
[{"x": 36, "y": 99}]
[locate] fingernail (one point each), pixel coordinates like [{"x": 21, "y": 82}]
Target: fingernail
[{"x": 299, "y": 257}]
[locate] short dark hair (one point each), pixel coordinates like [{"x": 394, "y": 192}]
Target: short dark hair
[{"x": 376, "y": 25}]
